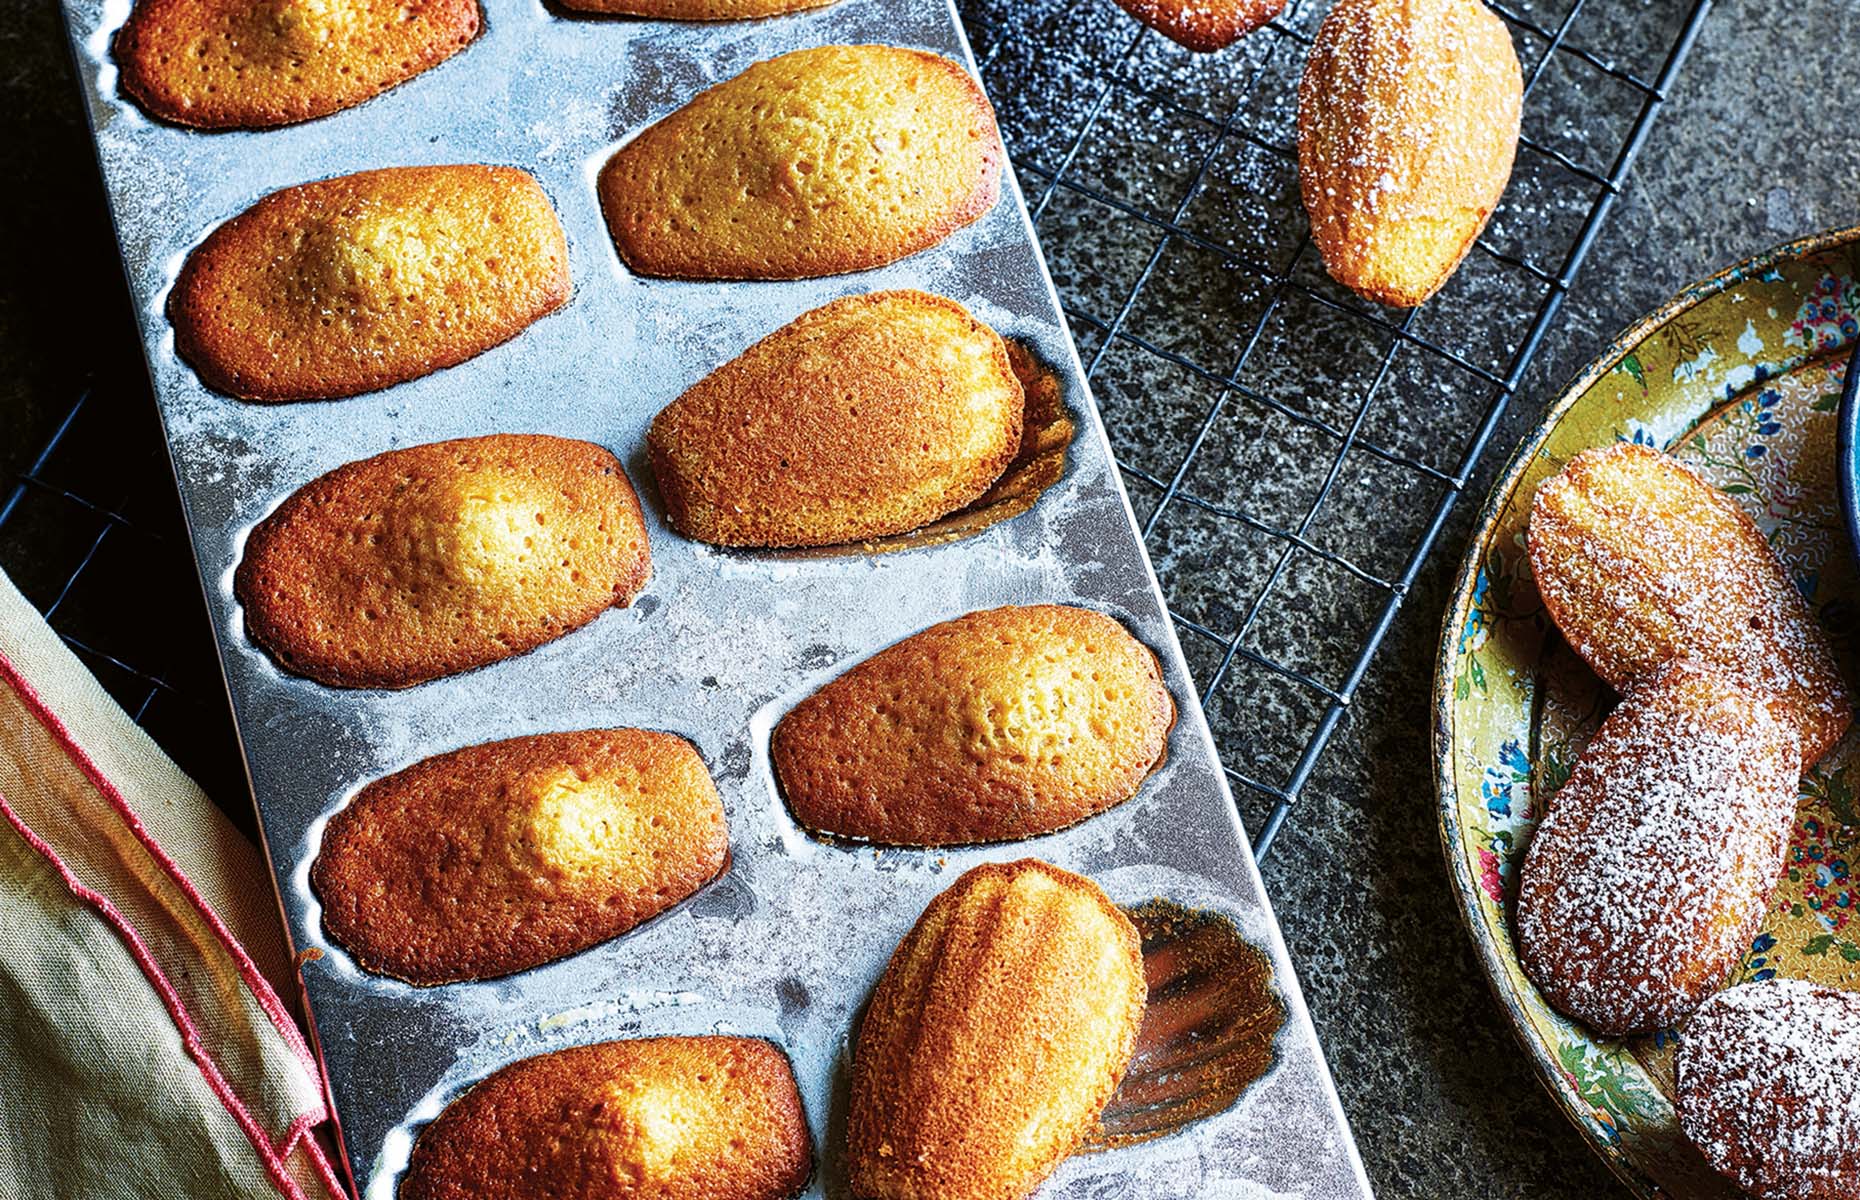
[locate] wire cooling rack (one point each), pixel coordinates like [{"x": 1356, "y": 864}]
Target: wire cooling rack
[{"x": 1292, "y": 453}]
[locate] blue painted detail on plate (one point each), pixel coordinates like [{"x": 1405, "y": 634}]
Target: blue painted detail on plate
[{"x": 1849, "y": 452}]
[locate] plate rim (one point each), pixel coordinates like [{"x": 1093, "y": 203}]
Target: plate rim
[{"x": 1498, "y": 499}]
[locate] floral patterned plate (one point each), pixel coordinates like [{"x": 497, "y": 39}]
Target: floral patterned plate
[{"x": 1741, "y": 377}]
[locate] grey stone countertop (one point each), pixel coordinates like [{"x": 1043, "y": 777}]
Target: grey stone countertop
[{"x": 1749, "y": 152}]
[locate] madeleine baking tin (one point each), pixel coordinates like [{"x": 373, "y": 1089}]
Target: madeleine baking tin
[{"x": 789, "y": 943}]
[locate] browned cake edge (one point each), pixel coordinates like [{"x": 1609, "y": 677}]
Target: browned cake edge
[
  {"x": 276, "y": 640},
  {"x": 142, "y": 80},
  {"x": 194, "y": 332},
  {"x": 786, "y": 751},
  {"x": 329, "y": 873}
]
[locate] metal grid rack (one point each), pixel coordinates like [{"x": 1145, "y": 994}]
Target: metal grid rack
[
  {"x": 1280, "y": 440},
  {"x": 92, "y": 534}
]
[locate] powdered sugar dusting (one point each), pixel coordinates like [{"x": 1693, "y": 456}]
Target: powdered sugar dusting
[
  {"x": 1769, "y": 1089},
  {"x": 1408, "y": 121},
  {"x": 1204, "y": 25},
  {"x": 1649, "y": 876},
  {"x": 1640, "y": 560}
]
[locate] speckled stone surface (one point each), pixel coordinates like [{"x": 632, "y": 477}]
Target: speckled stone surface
[
  {"x": 1443, "y": 1104},
  {"x": 1748, "y": 153}
]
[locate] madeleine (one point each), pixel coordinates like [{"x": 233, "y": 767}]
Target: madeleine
[
  {"x": 817, "y": 162},
  {"x": 1648, "y": 878},
  {"x": 364, "y": 281},
  {"x": 997, "y": 1033},
  {"x": 1407, "y": 126},
  {"x": 869, "y": 416},
  {"x": 1766, "y": 1088},
  {"x": 672, "y": 1118},
  {"x": 230, "y": 64},
  {"x": 1641, "y": 561},
  {"x": 999, "y": 725},
  {"x": 501, "y": 857},
  {"x": 425, "y": 562}
]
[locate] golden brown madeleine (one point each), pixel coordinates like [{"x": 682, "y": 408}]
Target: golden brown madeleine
[
  {"x": 674, "y": 1118},
  {"x": 998, "y": 725},
  {"x": 501, "y": 857},
  {"x": 869, "y": 416},
  {"x": 1203, "y": 25},
  {"x": 695, "y": 10},
  {"x": 363, "y": 281},
  {"x": 436, "y": 559},
  {"x": 1769, "y": 1088},
  {"x": 227, "y": 64},
  {"x": 814, "y": 163},
  {"x": 1649, "y": 876},
  {"x": 995, "y": 1037},
  {"x": 1639, "y": 561},
  {"x": 1407, "y": 124}
]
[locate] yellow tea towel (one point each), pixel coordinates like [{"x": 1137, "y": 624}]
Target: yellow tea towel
[{"x": 144, "y": 1048}]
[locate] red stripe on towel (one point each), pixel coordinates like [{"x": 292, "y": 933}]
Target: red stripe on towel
[
  {"x": 254, "y": 979},
  {"x": 171, "y": 1000}
]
